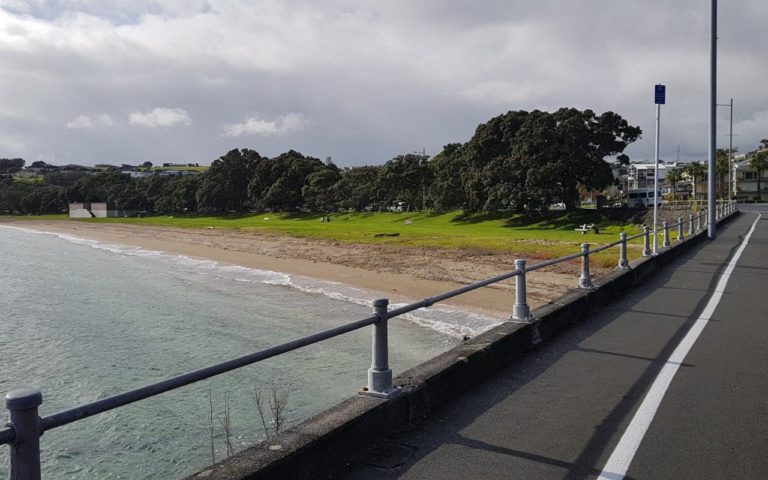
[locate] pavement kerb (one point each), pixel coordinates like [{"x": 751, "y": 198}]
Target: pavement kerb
[{"x": 323, "y": 444}]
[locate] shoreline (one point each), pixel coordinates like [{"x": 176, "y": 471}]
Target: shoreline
[{"x": 403, "y": 275}]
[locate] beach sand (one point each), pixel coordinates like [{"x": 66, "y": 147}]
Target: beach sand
[{"x": 401, "y": 274}]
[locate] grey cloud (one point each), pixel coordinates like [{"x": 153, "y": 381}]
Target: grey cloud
[{"x": 376, "y": 78}]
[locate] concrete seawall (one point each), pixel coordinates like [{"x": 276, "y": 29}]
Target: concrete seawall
[{"x": 323, "y": 444}]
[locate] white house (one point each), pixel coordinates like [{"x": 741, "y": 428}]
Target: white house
[{"x": 640, "y": 180}]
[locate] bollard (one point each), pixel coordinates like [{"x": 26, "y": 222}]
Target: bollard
[
  {"x": 585, "y": 279},
  {"x": 690, "y": 225},
  {"x": 380, "y": 375},
  {"x": 646, "y": 242},
  {"x": 680, "y": 234},
  {"x": 665, "y": 243},
  {"x": 623, "y": 263},
  {"x": 520, "y": 310},
  {"x": 25, "y": 449}
]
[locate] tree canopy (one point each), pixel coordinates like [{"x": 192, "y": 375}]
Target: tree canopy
[
  {"x": 518, "y": 161},
  {"x": 525, "y": 160}
]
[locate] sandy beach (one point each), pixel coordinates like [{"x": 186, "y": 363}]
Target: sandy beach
[{"x": 399, "y": 273}]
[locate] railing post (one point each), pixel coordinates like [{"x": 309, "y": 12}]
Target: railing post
[
  {"x": 25, "y": 449},
  {"x": 520, "y": 310},
  {"x": 380, "y": 375},
  {"x": 680, "y": 234},
  {"x": 665, "y": 243},
  {"x": 699, "y": 221},
  {"x": 623, "y": 262},
  {"x": 690, "y": 225},
  {"x": 646, "y": 242},
  {"x": 585, "y": 279}
]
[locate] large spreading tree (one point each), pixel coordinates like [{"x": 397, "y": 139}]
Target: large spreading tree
[{"x": 525, "y": 160}]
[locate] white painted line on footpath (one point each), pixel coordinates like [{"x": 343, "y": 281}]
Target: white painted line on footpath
[{"x": 618, "y": 463}]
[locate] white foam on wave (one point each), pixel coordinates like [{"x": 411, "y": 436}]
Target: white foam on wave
[{"x": 440, "y": 317}]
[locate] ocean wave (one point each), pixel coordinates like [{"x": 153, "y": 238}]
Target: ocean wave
[{"x": 440, "y": 317}]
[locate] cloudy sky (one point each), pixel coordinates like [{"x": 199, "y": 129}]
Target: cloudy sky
[{"x": 126, "y": 81}]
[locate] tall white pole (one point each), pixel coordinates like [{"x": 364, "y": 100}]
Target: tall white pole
[
  {"x": 712, "y": 232},
  {"x": 656, "y": 182},
  {"x": 730, "y": 155}
]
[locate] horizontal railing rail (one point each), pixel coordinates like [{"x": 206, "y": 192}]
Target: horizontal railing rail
[{"x": 25, "y": 426}]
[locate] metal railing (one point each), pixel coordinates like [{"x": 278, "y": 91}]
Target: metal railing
[{"x": 25, "y": 425}]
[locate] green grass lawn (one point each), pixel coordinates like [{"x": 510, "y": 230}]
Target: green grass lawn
[
  {"x": 32, "y": 180},
  {"x": 549, "y": 236}
]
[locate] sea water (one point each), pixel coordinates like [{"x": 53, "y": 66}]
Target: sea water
[{"x": 82, "y": 320}]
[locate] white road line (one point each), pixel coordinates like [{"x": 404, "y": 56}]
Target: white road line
[{"x": 618, "y": 464}]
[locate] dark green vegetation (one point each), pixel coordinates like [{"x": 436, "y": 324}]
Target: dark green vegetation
[{"x": 517, "y": 162}]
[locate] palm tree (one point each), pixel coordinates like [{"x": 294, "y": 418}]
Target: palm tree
[
  {"x": 721, "y": 167},
  {"x": 696, "y": 170},
  {"x": 674, "y": 175},
  {"x": 759, "y": 162}
]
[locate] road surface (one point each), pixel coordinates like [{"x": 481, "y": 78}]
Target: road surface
[{"x": 561, "y": 412}]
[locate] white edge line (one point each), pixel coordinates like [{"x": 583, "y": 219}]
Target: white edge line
[{"x": 619, "y": 461}]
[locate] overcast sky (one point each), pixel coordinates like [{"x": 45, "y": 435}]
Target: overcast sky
[{"x": 126, "y": 81}]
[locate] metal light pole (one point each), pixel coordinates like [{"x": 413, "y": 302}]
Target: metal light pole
[
  {"x": 660, "y": 98},
  {"x": 712, "y": 231},
  {"x": 730, "y": 147}
]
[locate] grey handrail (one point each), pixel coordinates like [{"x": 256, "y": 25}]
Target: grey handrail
[{"x": 100, "y": 406}]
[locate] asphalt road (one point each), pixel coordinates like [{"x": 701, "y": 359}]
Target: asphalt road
[{"x": 560, "y": 411}]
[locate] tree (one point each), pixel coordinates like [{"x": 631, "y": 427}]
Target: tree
[
  {"x": 674, "y": 175},
  {"x": 759, "y": 162},
  {"x": 97, "y": 188},
  {"x": 225, "y": 186},
  {"x": 406, "y": 178},
  {"x": 523, "y": 160},
  {"x": 278, "y": 183},
  {"x": 696, "y": 171},
  {"x": 11, "y": 165},
  {"x": 63, "y": 179},
  {"x": 721, "y": 169},
  {"x": 318, "y": 192},
  {"x": 448, "y": 170},
  {"x": 357, "y": 187}
]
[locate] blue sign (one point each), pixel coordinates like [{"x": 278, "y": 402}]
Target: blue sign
[{"x": 661, "y": 94}]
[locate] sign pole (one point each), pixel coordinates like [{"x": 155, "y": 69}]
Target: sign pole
[
  {"x": 660, "y": 98},
  {"x": 730, "y": 156}
]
